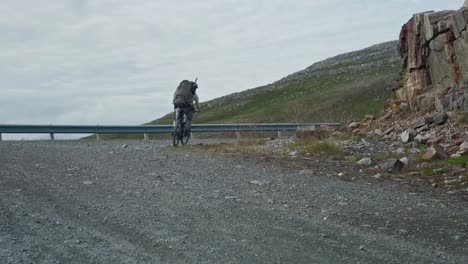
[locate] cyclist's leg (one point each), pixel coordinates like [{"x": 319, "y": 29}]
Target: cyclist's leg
[
  {"x": 176, "y": 114},
  {"x": 189, "y": 113}
]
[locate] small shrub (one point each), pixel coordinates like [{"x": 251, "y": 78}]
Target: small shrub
[{"x": 320, "y": 148}]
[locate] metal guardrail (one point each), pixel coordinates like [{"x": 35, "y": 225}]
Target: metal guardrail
[{"x": 147, "y": 129}]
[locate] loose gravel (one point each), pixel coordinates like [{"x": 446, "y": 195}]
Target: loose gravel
[{"x": 139, "y": 202}]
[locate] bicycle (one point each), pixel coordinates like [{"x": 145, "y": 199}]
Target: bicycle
[{"x": 180, "y": 134}]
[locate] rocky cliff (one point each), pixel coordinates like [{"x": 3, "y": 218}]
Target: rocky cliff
[{"x": 434, "y": 48}]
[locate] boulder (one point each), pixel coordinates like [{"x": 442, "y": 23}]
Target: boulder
[
  {"x": 354, "y": 125},
  {"x": 435, "y": 152},
  {"x": 405, "y": 161},
  {"x": 418, "y": 123},
  {"x": 393, "y": 165},
  {"x": 429, "y": 119},
  {"x": 407, "y": 135},
  {"x": 464, "y": 147},
  {"x": 422, "y": 138},
  {"x": 436, "y": 140},
  {"x": 365, "y": 162},
  {"x": 434, "y": 49},
  {"x": 440, "y": 118}
]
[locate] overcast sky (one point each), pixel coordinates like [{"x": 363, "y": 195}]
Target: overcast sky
[{"x": 119, "y": 61}]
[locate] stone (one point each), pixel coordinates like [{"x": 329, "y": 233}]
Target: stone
[
  {"x": 443, "y": 103},
  {"x": 365, "y": 162},
  {"x": 378, "y": 132},
  {"x": 405, "y": 161},
  {"x": 400, "y": 151},
  {"x": 429, "y": 120},
  {"x": 464, "y": 146},
  {"x": 387, "y": 115},
  {"x": 393, "y": 164},
  {"x": 259, "y": 182},
  {"x": 458, "y": 142},
  {"x": 440, "y": 118},
  {"x": 436, "y": 140},
  {"x": 407, "y": 135},
  {"x": 422, "y": 138},
  {"x": 388, "y": 131},
  {"x": 435, "y": 152},
  {"x": 354, "y": 125},
  {"x": 420, "y": 122},
  {"x": 377, "y": 176}
]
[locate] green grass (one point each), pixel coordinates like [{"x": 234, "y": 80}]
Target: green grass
[{"x": 315, "y": 147}]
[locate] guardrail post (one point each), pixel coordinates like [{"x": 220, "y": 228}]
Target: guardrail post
[
  {"x": 279, "y": 134},
  {"x": 98, "y": 136},
  {"x": 192, "y": 135},
  {"x": 238, "y": 135},
  {"x": 145, "y": 135},
  {"x": 52, "y": 136},
  {"x": 0, "y": 136}
]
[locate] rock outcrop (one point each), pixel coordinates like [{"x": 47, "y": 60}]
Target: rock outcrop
[{"x": 434, "y": 48}]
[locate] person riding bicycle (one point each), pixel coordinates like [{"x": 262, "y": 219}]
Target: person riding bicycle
[{"x": 184, "y": 97}]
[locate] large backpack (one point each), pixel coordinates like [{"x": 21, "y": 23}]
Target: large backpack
[{"x": 183, "y": 96}]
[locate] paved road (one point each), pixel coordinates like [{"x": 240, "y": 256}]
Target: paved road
[{"x": 100, "y": 202}]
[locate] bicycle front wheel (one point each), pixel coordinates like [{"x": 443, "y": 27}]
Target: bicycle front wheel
[{"x": 186, "y": 137}]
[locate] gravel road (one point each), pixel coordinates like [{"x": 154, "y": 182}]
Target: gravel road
[{"x": 137, "y": 202}]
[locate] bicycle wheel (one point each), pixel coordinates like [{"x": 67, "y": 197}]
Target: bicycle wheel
[
  {"x": 186, "y": 136},
  {"x": 185, "y": 132},
  {"x": 176, "y": 136}
]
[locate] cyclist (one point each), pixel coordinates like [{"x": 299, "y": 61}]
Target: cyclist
[{"x": 184, "y": 98}]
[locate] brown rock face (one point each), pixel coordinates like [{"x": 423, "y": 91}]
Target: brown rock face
[{"x": 434, "y": 48}]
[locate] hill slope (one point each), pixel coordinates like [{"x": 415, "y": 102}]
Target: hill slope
[
  {"x": 340, "y": 88},
  {"x": 336, "y": 89}
]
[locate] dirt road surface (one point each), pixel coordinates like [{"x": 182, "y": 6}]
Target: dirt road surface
[{"x": 136, "y": 202}]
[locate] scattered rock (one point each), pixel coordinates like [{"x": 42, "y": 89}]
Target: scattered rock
[
  {"x": 435, "y": 152},
  {"x": 440, "y": 118},
  {"x": 124, "y": 146},
  {"x": 419, "y": 123},
  {"x": 259, "y": 182},
  {"x": 388, "y": 131},
  {"x": 87, "y": 182},
  {"x": 405, "y": 161},
  {"x": 464, "y": 147},
  {"x": 377, "y": 176},
  {"x": 422, "y": 138},
  {"x": 365, "y": 162},
  {"x": 400, "y": 151},
  {"x": 407, "y": 135},
  {"x": 436, "y": 140},
  {"x": 354, "y": 125},
  {"x": 429, "y": 120},
  {"x": 393, "y": 164}
]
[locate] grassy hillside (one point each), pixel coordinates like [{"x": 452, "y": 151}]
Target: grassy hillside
[
  {"x": 337, "y": 89},
  {"x": 344, "y": 87}
]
